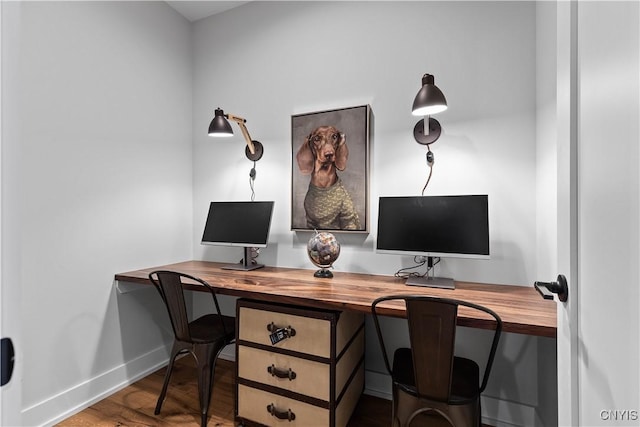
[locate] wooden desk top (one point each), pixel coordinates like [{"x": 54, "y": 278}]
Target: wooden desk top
[{"x": 521, "y": 308}]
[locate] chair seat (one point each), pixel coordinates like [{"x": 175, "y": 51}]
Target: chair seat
[
  {"x": 465, "y": 384},
  {"x": 207, "y": 328}
]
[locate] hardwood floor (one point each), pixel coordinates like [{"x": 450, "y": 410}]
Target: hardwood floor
[{"x": 134, "y": 405}]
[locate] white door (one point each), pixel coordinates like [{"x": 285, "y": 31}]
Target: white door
[
  {"x": 567, "y": 337},
  {"x": 10, "y": 394},
  {"x": 599, "y": 212}
]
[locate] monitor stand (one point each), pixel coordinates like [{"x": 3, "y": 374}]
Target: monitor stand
[
  {"x": 245, "y": 265},
  {"x": 431, "y": 282}
]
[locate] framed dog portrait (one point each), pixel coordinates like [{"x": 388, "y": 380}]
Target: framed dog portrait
[{"x": 330, "y": 170}]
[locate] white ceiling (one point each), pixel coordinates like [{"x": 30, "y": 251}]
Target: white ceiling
[{"x": 194, "y": 10}]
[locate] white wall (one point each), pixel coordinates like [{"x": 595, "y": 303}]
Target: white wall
[
  {"x": 301, "y": 57},
  {"x": 267, "y": 61},
  {"x": 546, "y": 195},
  {"x": 99, "y": 181}
]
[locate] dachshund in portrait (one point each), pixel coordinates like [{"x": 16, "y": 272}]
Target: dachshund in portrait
[{"x": 327, "y": 203}]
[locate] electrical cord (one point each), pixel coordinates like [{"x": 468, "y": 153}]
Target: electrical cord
[
  {"x": 252, "y": 178},
  {"x": 419, "y": 261},
  {"x": 430, "y": 163},
  {"x": 255, "y": 253}
]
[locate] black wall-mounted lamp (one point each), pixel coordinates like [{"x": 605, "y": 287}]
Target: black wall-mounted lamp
[
  {"x": 220, "y": 127},
  {"x": 429, "y": 100}
]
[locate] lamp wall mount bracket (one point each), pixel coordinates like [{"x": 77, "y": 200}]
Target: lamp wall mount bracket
[
  {"x": 258, "y": 150},
  {"x": 427, "y": 138}
]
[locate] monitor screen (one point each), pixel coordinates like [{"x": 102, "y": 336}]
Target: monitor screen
[
  {"x": 447, "y": 226},
  {"x": 238, "y": 224}
]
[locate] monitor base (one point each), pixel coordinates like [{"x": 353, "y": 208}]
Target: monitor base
[
  {"x": 242, "y": 267},
  {"x": 246, "y": 264},
  {"x": 431, "y": 282}
]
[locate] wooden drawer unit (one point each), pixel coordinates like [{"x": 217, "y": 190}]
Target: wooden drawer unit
[{"x": 297, "y": 366}]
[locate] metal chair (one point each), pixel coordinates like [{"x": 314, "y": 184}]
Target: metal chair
[
  {"x": 204, "y": 338},
  {"x": 431, "y": 385}
]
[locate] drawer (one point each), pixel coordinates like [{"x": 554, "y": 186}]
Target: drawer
[
  {"x": 311, "y": 378},
  {"x": 253, "y": 403},
  {"x": 312, "y": 335}
]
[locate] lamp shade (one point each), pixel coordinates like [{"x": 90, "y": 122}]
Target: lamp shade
[
  {"x": 429, "y": 100},
  {"x": 220, "y": 126}
]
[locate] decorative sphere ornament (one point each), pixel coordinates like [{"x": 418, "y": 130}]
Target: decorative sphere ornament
[{"x": 323, "y": 250}]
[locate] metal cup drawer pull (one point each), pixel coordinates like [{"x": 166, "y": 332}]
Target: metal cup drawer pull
[
  {"x": 282, "y": 415},
  {"x": 281, "y": 373},
  {"x": 278, "y": 334}
]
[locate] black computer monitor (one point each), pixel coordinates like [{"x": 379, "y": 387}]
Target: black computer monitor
[
  {"x": 244, "y": 224},
  {"x": 434, "y": 226}
]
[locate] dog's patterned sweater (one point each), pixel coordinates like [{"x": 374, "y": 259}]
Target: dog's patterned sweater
[{"x": 330, "y": 208}]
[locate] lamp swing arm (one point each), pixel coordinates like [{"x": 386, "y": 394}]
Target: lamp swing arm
[{"x": 241, "y": 122}]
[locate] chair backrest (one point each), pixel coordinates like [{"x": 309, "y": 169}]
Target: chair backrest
[
  {"x": 170, "y": 285},
  {"x": 432, "y": 333}
]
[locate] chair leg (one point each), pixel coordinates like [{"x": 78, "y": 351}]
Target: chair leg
[
  {"x": 395, "y": 421},
  {"x": 175, "y": 351},
  {"x": 206, "y": 356}
]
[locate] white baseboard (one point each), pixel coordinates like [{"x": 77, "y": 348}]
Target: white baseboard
[
  {"x": 228, "y": 353},
  {"x": 73, "y": 400},
  {"x": 377, "y": 385},
  {"x": 495, "y": 412},
  {"x": 502, "y": 413}
]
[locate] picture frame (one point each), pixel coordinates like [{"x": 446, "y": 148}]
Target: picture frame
[{"x": 330, "y": 169}]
